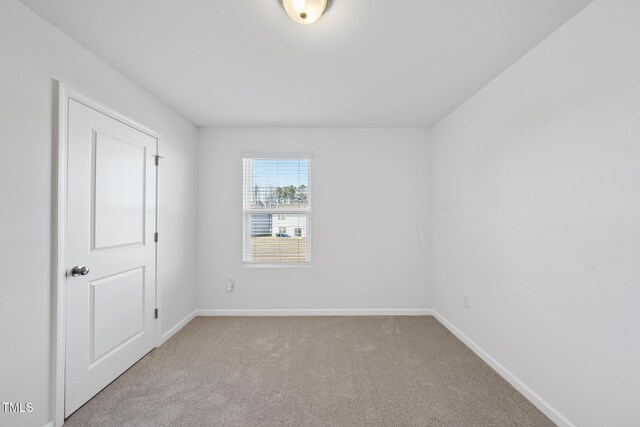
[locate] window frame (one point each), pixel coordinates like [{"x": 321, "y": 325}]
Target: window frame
[{"x": 246, "y": 213}]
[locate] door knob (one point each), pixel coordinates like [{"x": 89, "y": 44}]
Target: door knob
[{"x": 79, "y": 270}]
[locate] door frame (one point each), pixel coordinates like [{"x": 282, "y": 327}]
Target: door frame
[{"x": 62, "y": 95}]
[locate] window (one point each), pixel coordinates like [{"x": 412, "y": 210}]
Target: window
[{"x": 276, "y": 199}]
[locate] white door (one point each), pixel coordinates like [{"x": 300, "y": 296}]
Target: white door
[{"x": 111, "y": 208}]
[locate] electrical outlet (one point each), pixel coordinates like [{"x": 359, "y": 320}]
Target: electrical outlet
[
  {"x": 231, "y": 283},
  {"x": 466, "y": 301}
]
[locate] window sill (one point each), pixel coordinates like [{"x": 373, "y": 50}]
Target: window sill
[{"x": 266, "y": 265}]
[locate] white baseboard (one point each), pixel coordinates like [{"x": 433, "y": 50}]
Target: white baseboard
[
  {"x": 320, "y": 312},
  {"x": 49, "y": 424},
  {"x": 531, "y": 395},
  {"x": 181, "y": 324}
]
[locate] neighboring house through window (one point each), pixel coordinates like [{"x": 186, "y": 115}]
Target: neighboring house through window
[{"x": 276, "y": 198}]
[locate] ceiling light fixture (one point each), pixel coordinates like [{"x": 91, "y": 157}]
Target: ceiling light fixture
[{"x": 305, "y": 11}]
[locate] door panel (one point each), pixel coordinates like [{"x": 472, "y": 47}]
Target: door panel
[
  {"x": 110, "y": 330},
  {"x": 119, "y": 192},
  {"x": 111, "y": 208}
]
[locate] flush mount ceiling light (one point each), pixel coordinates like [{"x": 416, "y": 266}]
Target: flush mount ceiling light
[{"x": 305, "y": 11}]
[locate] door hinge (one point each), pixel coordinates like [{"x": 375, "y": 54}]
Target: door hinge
[
  {"x": 155, "y": 237},
  {"x": 156, "y": 313}
]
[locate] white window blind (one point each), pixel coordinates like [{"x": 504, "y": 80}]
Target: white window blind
[{"x": 276, "y": 211}]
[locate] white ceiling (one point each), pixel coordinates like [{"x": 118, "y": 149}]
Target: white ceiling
[{"x": 365, "y": 63}]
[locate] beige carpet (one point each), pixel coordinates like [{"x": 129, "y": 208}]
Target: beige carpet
[{"x": 310, "y": 371}]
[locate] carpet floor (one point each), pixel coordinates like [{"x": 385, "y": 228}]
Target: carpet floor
[{"x": 310, "y": 371}]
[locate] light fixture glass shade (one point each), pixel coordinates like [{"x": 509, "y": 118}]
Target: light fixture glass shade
[{"x": 305, "y": 11}]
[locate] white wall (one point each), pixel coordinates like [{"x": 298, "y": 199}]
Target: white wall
[
  {"x": 32, "y": 54},
  {"x": 536, "y": 216},
  {"x": 358, "y": 260}
]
